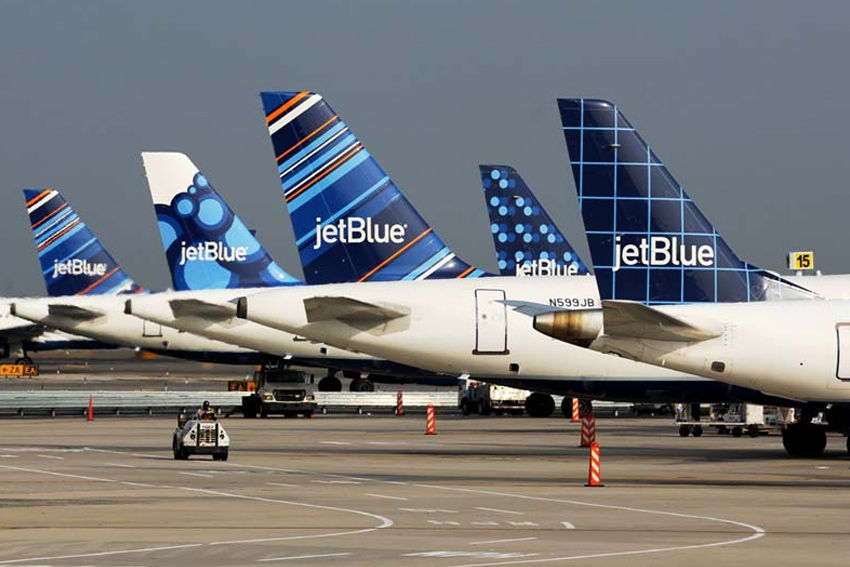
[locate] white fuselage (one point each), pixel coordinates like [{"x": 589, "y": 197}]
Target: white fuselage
[
  {"x": 457, "y": 326},
  {"x": 793, "y": 349},
  {"x": 112, "y": 325}
]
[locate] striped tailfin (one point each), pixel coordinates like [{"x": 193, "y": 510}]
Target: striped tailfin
[
  {"x": 73, "y": 261},
  {"x": 351, "y": 221}
]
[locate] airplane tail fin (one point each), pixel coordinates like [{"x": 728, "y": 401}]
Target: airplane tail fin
[
  {"x": 527, "y": 240},
  {"x": 207, "y": 246},
  {"x": 73, "y": 260},
  {"x": 648, "y": 240},
  {"x": 351, "y": 221}
]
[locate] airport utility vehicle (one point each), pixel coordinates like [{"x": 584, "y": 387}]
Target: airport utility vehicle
[{"x": 199, "y": 437}]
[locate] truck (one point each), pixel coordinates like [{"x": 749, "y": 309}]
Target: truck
[
  {"x": 280, "y": 391},
  {"x": 484, "y": 399}
]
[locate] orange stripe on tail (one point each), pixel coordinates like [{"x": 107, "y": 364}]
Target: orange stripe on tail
[{"x": 395, "y": 255}]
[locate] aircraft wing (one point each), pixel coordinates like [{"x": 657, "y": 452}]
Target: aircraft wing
[
  {"x": 200, "y": 308},
  {"x": 73, "y": 311},
  {"x": 633, "y": 319},
  {"x": 349, "y": 310}
]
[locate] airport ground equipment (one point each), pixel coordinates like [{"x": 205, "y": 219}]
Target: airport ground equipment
[
  {"x": 280, "y": 390},
  {"x": 199, "y": 437},
  {"x": 483, "y": 398},
  {"x": 735, "y": 419}
]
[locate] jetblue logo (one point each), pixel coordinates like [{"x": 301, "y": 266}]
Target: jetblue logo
[
  {"x": 77, "y": 267},
  {"x": 545, "y": 267},
  {"x": 211, "y": 252},
  {"x": 662, "y": 251},
  {"x": 355, "y": 230}
]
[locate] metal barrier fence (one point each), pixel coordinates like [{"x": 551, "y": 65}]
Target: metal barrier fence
[{"x": 20, "y": 402}]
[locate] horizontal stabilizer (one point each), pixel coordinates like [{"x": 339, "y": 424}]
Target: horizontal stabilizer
[
  {"x": 632, "y": 319},
  {"x": 73, "y": 312},
  {"x": 528, "y": 308},
  {"x": 203, "y": 309},
  {"x": 349, "y": 311}
]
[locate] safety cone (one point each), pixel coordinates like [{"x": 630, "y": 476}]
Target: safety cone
[
  {"x": 575, "y": 416},
  {"x": 90, "y": 416},
  {"x": 399, "y": 403},
  {"x": 430, "y": 421},
  {"x": 588, "y": 430},
  {"x": 594, "y": 474}
]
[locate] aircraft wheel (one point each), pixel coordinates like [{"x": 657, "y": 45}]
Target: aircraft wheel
[
  {"x": 361, "y": 385},
  {"x": 696, "y": 431},
  {"x": 585, "y": 407},
  {"x": 804, "y": 440},
  {"x": 684, "y": 430},
  {"x": 24, "y": 360},
  {"x": 330, "y": 384},
  {"x": 539, "y": 405}
]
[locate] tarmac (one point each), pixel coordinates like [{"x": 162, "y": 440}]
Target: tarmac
[{"x": 374, "y": 490}]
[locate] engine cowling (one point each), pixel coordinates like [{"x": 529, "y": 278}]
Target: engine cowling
[{"x": 578, "y": 326}]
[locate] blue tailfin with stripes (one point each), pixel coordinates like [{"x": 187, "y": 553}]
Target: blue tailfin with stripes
[
  {"x": 351, "y": 221},
  {"x": 73, "y": 261},
  {"x": 527, "y": 242},
  {"x": 207, "y": 246},
  {"x": 648, "y": 240}
]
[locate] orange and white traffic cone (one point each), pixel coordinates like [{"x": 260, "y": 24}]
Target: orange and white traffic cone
[
  {"x": 588, "y": 430},
  {"x": 399, "y": 403},
  {"x": 90, "y": 415},
  {"x": 575, "y": 418},
  {"x": 430, "y": 421},
  {"x": 594, "y": 475}
]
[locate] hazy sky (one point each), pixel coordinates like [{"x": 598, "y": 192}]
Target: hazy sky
[{"x": 746, "y": 102}]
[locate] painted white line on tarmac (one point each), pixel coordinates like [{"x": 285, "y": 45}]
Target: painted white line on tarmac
[
  {"x": 499, "y": 510},
  {"x": 283, "y": 484},
  {"x": 568, "y": 525},
  {"x": 123, "y": 466},
  {"x": 8, "y": 456},
  {"x": 385, "y": 522},
  {"x": 428, "y": 511},
  {"x": 492, "y": 541},
  {"x": 387, "y": 496},
  {"x": 139, "y": 484},
  {"x": 335, "y": 481},
  {"x": 303, "y": 557},
  {"x": 54, "y": 457},
  {"x": 334, "y": 443},
  {"x": 202, "y": 475},
  {"x": 758, "y": 531}
]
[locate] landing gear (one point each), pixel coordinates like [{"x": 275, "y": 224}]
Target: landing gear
[
  {"x": 361, "y": 385},
  {"x": 539, "y": 405},
  {"x": 330, "y": 383},
  {"x": 804, "y": 439},
  {"x": 585, "y": 407}
]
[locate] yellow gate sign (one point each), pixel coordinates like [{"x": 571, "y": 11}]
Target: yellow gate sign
[
  {"x": 16, "y": 370},
  {"x": 801, "y": 260}
]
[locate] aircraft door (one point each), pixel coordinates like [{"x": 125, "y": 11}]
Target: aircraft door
[
  {"x": 150, "y": 329},
  {"x": 491, "y": 323},
  {"x": 842, "y": 370}
]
